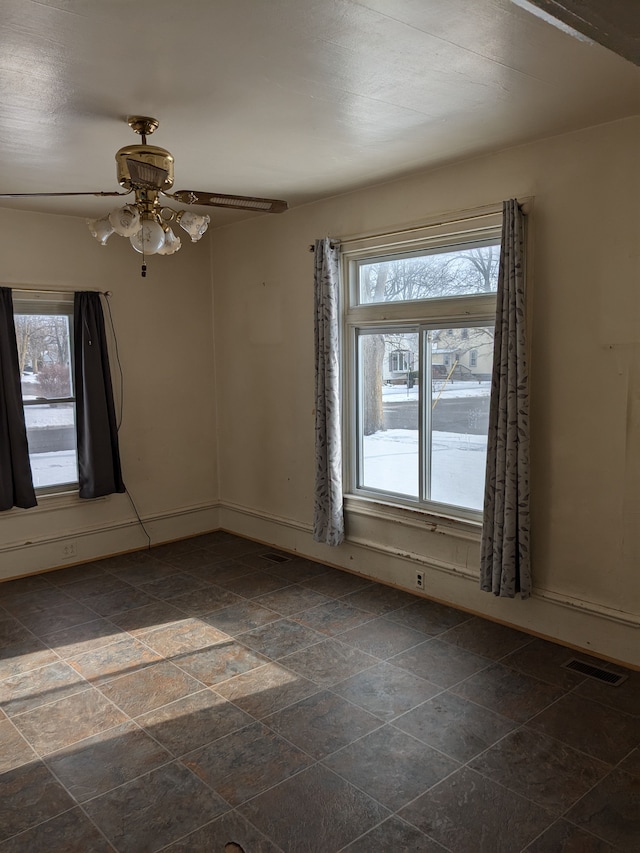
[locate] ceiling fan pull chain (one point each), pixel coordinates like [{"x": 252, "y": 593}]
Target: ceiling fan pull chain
[{"x": 143, "y": 268}]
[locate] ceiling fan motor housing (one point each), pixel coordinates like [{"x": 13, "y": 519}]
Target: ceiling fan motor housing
[{"x": 144, "y": 166}]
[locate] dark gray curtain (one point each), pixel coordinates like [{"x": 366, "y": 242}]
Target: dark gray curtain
[
  {"x": 99, "y": 470},
  {"x": 505, "y": 567},
  {"x": 328, "y": 516},
  {"x": 16, "y": 485}
]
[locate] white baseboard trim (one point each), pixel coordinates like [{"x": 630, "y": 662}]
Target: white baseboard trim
[
  {"x": 261, "y": 515},
  {"x": 622, "y": 617},
  {"x": 582, "y": 624},
  {"x": 91, "y": 542},
  {"x": 181, "y": 523},
  {"x": 563, "y": 600}
]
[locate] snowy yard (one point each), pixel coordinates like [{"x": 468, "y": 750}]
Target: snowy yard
[
  {"x": 50, "y": 469},
  {"x": 458, "y": 459},
  {"x": 457, "y": 465},
  {"x": 49, "y": 415},
  {"x": 450, "y": 391}
]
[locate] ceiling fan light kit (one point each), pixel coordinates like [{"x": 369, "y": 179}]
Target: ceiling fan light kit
[
  {"x": 147, "y": 171},
  {"x": 125, "y": 220},
  {"x": 149, "y": 238}
]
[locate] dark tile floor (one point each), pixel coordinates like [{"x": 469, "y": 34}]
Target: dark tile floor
[{"x": 208, "y": 691}]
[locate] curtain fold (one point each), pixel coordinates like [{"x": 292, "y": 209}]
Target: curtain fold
[
  {"x": 505, "y": 566},
  {"x": 99, "y": 470},
  {"x": 16, "y": 484},
  {"x": 328, "y": 519}
]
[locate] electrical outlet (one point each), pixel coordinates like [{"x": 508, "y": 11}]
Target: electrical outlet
[
  {"x": 69, "y": 550},
  {"x": 419, "y": 580}
]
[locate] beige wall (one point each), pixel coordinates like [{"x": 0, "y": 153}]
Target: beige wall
[
  {"x": 167, "y": 440},
  {"x": 585, "y": 285}
]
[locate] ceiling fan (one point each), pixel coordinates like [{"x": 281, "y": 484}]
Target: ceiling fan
[{"x": 147, "y": 172}]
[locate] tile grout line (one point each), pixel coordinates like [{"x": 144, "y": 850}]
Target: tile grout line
[
  {"x": 211, "y": 822},
  {"x": 33, "y": 826},
  {"x": 393, "y": 815},
  {"x": 20, "y": 735},
  {"x": 554, "y": 817},
  {"x": 75, "y": 803},
  {"x": 614, "y": 847}
]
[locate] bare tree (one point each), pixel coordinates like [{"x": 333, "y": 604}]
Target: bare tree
[
  {"x": 43, "y": 343},
  {"x": 442, "y": 274},
  {"x": 434, "y": 276},
  {"x": 55, "y": 381},
  {"x": 476, "y": 270},
  {"x": 24, "y": 329},
  {"x": 372, "y": 356},
  {"x": 59, "y": 339}
]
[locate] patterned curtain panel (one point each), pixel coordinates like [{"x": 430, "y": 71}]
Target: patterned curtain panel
[
  {"x": 328, "y": 519},
  {"x": 16, "y": 485},
  {"x": 505, "y": 567},
  {"x": 98, "y": 454}
]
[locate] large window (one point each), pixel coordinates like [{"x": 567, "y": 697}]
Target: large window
[
  {"x": 44, "y": 335},
  {"x": 419, "y": 330}
]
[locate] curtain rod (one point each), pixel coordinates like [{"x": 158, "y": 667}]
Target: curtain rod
[
  {"x": 478, "y": 213},
  {"x": 57, "y": 290},
  {"x": 312, "y": 246},
  {"x": 375, "y": 235}
]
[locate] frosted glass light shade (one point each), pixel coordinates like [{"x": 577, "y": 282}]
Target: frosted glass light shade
[
  {"x": 149, "y": 239},
  {"x": 194, "y": 224},
  {"x": 125, "y": 220},
  {"x": 171, "y": 243},
  {"x": 101, "y": 229}
]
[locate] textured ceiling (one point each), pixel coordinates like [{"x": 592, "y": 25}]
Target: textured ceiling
[{"x": 292, "y": 99}]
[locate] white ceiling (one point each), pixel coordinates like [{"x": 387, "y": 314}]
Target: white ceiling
[{"x": 292, "y": 99}]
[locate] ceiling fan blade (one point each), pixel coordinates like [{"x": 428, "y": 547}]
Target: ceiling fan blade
[
  {"x": 49, "y": 195},
  {"x": 240, "y": 202}
]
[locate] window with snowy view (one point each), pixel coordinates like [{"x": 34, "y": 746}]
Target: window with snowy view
[
  {"x": 44, "y": 339},
  {"x": 420, "y": 333}
]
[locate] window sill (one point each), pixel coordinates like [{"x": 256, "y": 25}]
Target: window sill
[
  {"x": 57, "y": 501},
  {"x": 413, "y": 517}
]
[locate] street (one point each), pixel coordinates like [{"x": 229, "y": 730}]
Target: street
[{"x": 461, "y": 414}]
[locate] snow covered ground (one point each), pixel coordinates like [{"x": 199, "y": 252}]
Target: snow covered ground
[
  {"x": 458, "y": 459},
  {"x": 457, "y": 465},
  {"x": 49, "y": 415},
  {"x": 46, "y": 414},
  {"x": 450, "y": 391},
  {"x": 50, "y": 469}
]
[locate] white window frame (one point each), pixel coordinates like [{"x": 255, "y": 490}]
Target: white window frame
[
  {"x": 415, "y": 315},
  {"x": 60, "y": 304}
]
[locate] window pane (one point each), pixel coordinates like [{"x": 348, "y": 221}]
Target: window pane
[
  {"x": 462, "y": 272},
  {"x": 44, "y": 352},
  {"x": 388, "y": 394},
  {"x": 51, "y": 434},
  {"x": 460, "y": 390}
]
